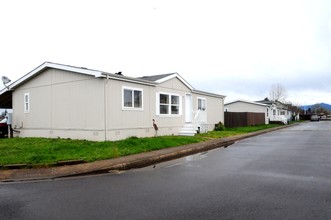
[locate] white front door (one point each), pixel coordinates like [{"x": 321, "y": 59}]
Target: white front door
[{"x": 188, "y": 108}]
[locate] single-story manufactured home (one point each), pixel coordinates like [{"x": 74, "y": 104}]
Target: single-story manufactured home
[
  {"x": 248, "y": 106},
  {"x": 280, "y": 111},
  {"x": 274, "y": 111},
  {"x": 56, "y": 100}
]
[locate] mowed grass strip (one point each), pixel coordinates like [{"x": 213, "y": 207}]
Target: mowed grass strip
[
  {"x": 46, "y": 151},
  {"x": 237, "y": 131}
]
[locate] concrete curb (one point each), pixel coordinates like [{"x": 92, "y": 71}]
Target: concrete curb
[{"x": 124, "y": 163}]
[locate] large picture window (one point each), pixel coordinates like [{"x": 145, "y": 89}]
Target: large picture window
[
  {"x": 132, "y": 98},
  {"x": 169, "y": 104}
]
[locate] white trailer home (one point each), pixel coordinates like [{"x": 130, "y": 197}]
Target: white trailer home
[{"x": 56, "y": 100}]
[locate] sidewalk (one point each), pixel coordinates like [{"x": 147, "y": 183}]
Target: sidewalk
[{"x": 123, "y": 163}]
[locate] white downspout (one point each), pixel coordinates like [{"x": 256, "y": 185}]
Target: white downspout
[{"x": 105, "y": 106}]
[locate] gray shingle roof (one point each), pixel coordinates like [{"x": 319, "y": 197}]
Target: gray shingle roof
[{"x": 155, "y": 77}]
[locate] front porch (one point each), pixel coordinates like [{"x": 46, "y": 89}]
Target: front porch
[{"x": 196, "y": 124}]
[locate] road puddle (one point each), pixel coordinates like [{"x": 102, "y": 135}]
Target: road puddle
[
  {"x": 184, "y": 161},
  {"x": 196, "y": 157}
]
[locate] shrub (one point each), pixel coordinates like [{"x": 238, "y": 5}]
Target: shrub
[{"x": 219, "y": 127}]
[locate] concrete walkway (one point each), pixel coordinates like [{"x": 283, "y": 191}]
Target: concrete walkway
[{"x": 123, "y": 163}]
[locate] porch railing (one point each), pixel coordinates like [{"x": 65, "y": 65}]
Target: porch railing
[{"x": 199, "y": 119}]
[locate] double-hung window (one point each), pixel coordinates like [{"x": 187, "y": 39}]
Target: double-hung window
[
  {"x": 202, "y": 104},
  {"x": 169, "y": 104},
  {"x": 132, "y": 98},
  {"x": 26, "y": 103}
]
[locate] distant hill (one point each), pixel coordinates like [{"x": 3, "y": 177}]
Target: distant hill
[{"x": 323, "y": 105}]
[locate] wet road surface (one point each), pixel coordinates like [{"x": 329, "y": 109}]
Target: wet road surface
[{"x": 285, "y": 174}]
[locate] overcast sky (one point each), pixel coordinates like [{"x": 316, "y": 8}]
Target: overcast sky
[{"x": 235, "y": 48}]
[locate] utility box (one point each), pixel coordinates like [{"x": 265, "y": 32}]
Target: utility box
[{"x": 9, "y": 118}]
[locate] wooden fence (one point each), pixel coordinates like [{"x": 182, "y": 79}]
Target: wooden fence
[{"x": 241, "y": 119}]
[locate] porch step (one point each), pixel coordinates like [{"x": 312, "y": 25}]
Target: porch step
[{"x": 187, "y": 130}]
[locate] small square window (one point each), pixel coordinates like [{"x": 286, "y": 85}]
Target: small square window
[
  {"x": 164, "y": 109},
  {"x": 132, "y": 98},
  {"x": 175, "y": 100},
  {"x": 175, "y": 110},
  {"x": 164, "y": 99}
]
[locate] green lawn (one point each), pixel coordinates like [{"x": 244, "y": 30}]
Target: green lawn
[
  {"x": 45, "y": 151},
  {"x": 236, "y": 131}
]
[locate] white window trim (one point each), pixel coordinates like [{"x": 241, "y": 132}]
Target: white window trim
[
  {"x": 180, "y": 105},
  {"x": 142, "y": 99},
  {"x": 201, "y": 98},
  {"x": 26, "y": 103}
]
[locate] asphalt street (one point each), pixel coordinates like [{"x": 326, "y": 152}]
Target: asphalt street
[{"x": 285, "y": 174}]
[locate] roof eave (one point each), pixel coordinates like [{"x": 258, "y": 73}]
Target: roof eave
[
  {"x": 246, "y": 101},
  {"x": 199, "y": 92},
  {"x": 2, "y": 91},
  {"x": 46, "y": 65}
]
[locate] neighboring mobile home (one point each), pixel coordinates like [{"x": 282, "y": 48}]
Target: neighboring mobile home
[
  {"x": 274, "y": 111},
  {"x": 280, "y": 112},
  {"x": 56, "y": 100},
  {"x": 248, "y": 106}
]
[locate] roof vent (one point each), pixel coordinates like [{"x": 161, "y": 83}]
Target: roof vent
[{"x": 119, "y": 73}]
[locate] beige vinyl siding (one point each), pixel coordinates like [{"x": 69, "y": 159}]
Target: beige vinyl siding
[
  {"x": 59, "y": 101},
  {"x": 173, "y": 85},
  {"x": 214, "y": 109},
  {"x": 39, "y": 109},
  {"x": 123, "y": 123},
  {"x": 75, "y": 106}
]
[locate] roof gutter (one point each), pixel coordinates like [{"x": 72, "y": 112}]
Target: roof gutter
[{"x": 208, "y": 94}]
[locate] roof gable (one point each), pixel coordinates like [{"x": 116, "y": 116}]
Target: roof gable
[
  {"x": 46, "y": 65},
  {"x": 165, "y": 77},
  {"x": 155, "y": 78}
]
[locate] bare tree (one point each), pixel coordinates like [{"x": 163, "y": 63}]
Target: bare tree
[{"x": 277, "y": 92}]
